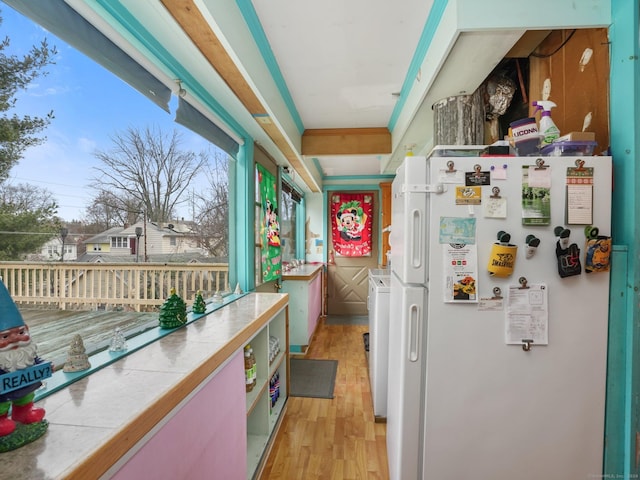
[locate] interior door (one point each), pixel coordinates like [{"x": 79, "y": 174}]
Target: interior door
[{"x": 348, "y": 283}]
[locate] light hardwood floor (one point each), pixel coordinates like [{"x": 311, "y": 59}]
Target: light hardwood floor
[{"x": 332, "y": 438}]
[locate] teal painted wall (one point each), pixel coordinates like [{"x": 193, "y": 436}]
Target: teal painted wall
[
  {"x": 623, "y": 383},
  {"x": 242, "y": 223}
]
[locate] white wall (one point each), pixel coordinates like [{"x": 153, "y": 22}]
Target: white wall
[{"x": 316, "y": 242}]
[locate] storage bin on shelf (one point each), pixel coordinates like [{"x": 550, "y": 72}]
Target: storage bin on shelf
[{"x": 569, "y": 148}]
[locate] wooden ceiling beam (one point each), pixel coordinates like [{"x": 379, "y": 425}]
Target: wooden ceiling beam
[
  {"x": 527, "y": 43},
  {"x": 188, "y": 16},
  {"x": 346, "y": 141}
]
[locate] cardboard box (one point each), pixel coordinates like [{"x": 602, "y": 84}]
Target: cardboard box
[{"x": 577, "y": 137}]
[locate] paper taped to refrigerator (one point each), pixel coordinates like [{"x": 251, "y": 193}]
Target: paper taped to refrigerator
[
  {"x": 460, "y": 273},
  {"x": 527, "y": 315}
]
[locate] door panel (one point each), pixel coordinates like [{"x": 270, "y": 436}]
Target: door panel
[
  {"x": 348, "y": 289},
  {"x": 348, "y": 280}
]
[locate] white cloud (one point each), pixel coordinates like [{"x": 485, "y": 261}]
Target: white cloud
[{"x": 86, "y": 145}]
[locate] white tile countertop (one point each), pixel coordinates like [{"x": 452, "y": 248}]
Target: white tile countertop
[{"x": 302, "y": 272}]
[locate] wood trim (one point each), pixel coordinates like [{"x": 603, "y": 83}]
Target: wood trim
[
  {"x": 188, "y": 16},
  {"x": 527, "y": 43},
  {"x": 346, "y": 141}
]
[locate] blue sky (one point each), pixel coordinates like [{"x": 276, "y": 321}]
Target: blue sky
[{"x": 85, "y": 117}]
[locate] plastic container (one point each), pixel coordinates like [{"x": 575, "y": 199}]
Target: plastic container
[
  {"x": 457, "y": 150},
  {"x": 569, "y": 149},
  {"x": 254, "y": 368},
  {"x": 526, "y": 137},
  {"x": 248, "y": 369}
]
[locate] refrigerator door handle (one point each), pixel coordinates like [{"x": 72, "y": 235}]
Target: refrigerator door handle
[
  {"x": 414, "y": 333},
  {"x": 425, "y": 188},
  {"x": 416, "y": 238}
]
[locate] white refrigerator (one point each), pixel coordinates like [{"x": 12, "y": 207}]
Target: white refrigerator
[{"x": 497, "y": 363}]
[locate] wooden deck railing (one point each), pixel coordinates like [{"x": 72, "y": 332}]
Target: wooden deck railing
[{"x": 85, "y": 286}]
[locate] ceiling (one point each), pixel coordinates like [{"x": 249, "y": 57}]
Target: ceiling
[
  {"x": 345, "y": 68},
  {"x": 335, "y": 90}
]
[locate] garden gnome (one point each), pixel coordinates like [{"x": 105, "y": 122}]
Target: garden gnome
[{"x": 18, "y": 354}]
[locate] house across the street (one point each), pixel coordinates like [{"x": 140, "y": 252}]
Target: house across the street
[{"x": 143, "y": 242}]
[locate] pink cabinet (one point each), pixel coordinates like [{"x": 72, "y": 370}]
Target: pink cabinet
[{"x": 205, "y": 437}]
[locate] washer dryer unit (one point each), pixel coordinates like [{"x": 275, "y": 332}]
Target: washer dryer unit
[{"x": 378, "y": 303}]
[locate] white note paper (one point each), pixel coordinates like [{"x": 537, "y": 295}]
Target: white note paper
[{"x": 527, "y": 315}]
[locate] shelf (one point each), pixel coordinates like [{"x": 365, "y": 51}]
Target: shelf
[
  {"x": 276, "y": 410},
  {"x": 253, "y": 396},
  {"x": 256, "y": 445},
  {"x": 262, "y": 419},
  {"x": 276, "y": 363}
]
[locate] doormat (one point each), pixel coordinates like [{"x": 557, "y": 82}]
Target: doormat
[{"x": 312, "y": 378}]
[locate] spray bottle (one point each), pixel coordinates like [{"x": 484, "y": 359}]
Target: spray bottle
[{"x": 547, "y": 127}]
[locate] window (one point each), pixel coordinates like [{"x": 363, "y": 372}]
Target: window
[
  {"x": 119, "y": 242},
  {"x": 289, "y": 201},
  {"x": 206, "y": 203},
  {"x": 173, "y": 241}
]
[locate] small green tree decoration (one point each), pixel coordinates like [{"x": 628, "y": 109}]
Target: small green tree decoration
[
  {"x": 173, "y": 312},
  {"x": 199, "y": 306}
]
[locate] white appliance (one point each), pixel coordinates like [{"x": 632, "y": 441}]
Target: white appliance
[
  {"x": 462, "y": 403},
  {"x": 378, "y": 304}
]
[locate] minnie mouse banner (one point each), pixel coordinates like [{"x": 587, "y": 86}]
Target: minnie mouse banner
[
  {"x": 351, "y": 225},
  {"x": 269, "y": 226}
]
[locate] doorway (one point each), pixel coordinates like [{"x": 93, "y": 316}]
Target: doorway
[{"x": 348, "y": 276}]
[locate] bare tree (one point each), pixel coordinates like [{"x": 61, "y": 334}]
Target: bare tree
[
  {"x": 149, "y": 169},
  {"x": 211, "y": 208},
  {"x": 110, "y": 210},
  {"x": 24, "y": 197}
]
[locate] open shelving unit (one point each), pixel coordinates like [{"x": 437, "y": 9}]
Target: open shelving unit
[{"x": 262, "y": 417}]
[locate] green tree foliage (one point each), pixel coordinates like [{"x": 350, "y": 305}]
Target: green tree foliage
[
  {"x": 26, "y": 213},
  {"x": 16, "y": 73},
  {"x": 27, "y": 220}
]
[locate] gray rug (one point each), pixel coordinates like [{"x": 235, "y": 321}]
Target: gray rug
[
  {"x": 312, "y": 378},
  {"x": 346, "y": 320}
]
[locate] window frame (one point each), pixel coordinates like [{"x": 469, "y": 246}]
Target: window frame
[{"x": 116, "y": 239}]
